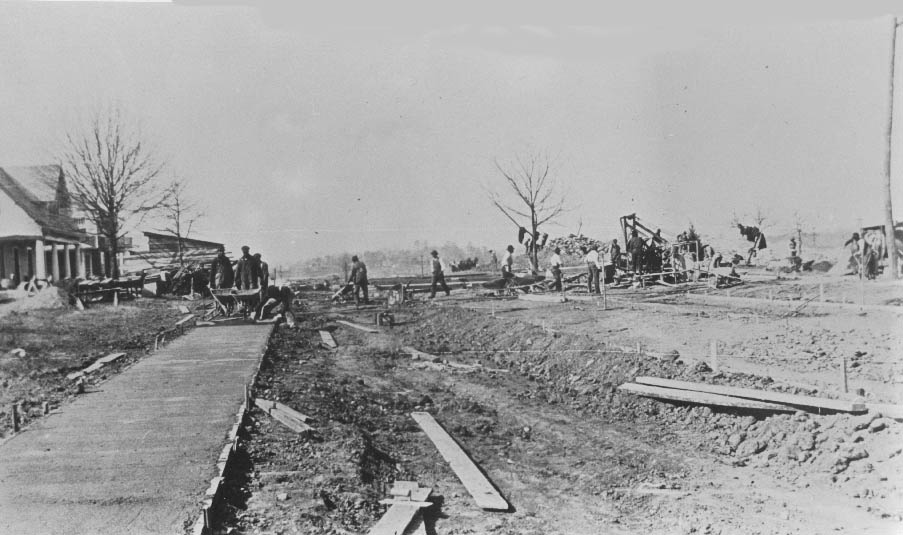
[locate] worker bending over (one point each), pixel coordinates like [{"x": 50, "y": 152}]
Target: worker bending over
[{"x": 276, "y": 300}]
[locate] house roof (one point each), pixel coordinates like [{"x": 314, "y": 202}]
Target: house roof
[{"x": 34, "y": 189}]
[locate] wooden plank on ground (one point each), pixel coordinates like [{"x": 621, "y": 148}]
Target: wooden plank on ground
[
  {"x": 184, "y": 320},
  {"x": 702, "y": 398},
  {"x": 358, "y": 327},
  {"x": 482, "y": 490},
  {"x": 111, "y": 357},
  {"x": 759, "y": 395},
  {"x": 417, "y": 354},
  {"x": 887, "y": 410},
  {"x": 328, "y": 340},
  {"x": 544, "y": 298},
  {"x": 291, "y": 412},
  {"x": 404, "y": 511},
  {"x": 96, "y": 365}
]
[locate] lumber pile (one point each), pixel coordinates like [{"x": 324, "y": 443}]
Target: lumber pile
[
  {"x": 289, "y": 417},
  {"x": 473, "y": 479},
  {"x": 729, "y": 396}
]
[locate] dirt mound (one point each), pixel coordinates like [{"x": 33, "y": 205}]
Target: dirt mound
[
  {"x": 20, "y": 301},
  {"x": 580, "y": 372}
]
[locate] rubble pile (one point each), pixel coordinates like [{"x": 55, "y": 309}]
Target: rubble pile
[{"x": 570, "y": 245}]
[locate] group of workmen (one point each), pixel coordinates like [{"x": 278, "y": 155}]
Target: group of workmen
[
  {"x": 357, "y": 279},
  {"x": 251, "y": 272}
]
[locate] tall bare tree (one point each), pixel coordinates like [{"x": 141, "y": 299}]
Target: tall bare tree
[
  {"x": 536, "y": 193},
  {"x": 113, "y": 178},
  {"x": 180, "y": 213}
]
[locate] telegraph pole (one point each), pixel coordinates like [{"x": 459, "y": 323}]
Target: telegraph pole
[{"x": 889, "y": 234}]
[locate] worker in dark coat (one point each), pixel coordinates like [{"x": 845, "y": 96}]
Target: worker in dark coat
[
  {"x": 263, "y": 273},
  {"x": 223, "y": 276},
  {"x": 635, "y": 249},
  {"x": 244, "y": 270},
  {"x": 359, "y": 278},
  {"x": 438, "y": 275}
]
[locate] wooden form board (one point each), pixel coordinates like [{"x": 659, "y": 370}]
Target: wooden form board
[
  {"x": 759, "y": 395},
  {"x": 358, "y": 327},
  {"x": 328, "y": 340},
  {"x": 702, "y": 398},
  {"x": 400, "y": 517},
  {"x": 482, "y": 490}
]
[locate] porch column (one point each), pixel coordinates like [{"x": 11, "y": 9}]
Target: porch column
[
  {"x": 103, "y": 264},
  {"x": 67, "y": 261},
  {"x": 79, "y": 261},
  {"x": 55, "y": 262},
  {"x": 40, "y": 261}
]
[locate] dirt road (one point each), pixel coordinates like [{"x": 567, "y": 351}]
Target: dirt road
[{"x": 569, "y": 451}]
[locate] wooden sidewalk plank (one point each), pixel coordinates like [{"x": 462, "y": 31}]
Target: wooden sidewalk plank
[
  {"x": 759, "y": 395},
  {"x": 482, "y": 490},
  {"x": 363, "y": 328},
  {"x": 702, "y": 398}
]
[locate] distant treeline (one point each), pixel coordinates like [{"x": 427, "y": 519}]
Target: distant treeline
[{"x": 401, "y": 262}]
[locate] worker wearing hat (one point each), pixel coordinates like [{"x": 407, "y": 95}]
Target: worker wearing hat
[
  {"x": 244, "y": 279},
  {"x": 508, "y": 263},
  {"x": 359, "y": 278},
  {"x": 438, "y": 275}
]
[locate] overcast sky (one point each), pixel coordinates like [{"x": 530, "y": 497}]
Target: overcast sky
[{"x": 308, "y": 133}]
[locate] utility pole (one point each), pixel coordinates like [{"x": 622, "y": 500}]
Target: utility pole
[{"x": 889, "y": 234}]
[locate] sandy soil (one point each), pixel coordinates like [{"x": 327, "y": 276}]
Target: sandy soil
[{"x": 538, "y": 408}]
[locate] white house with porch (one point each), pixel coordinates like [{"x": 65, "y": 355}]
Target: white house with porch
[{"x": 41, "y": 236}]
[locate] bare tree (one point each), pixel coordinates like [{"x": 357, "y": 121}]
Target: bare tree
[
  {"x": 180, "y": 213},
  {"x": 760, "y": 217},
  {"x": 113, "y": 178},
  {"x": 538, "y": 198}
]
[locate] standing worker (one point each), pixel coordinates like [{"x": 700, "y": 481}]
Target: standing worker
[
  {"x": 508, "y": 263},
  {"x": 263, "y": 275},
  {"x": 555, "y": 263},
  {"x": 592, "y": 266},
  {"x": 635, "y": 248},
  {"x": 493, "y": 260},
  {"x": 243, "y": 269},
  {"x": 438, "y": 275},
  {"x": 223, "y": 276},
  {"x": 615, "y": 252},
  {"x": 359, "y": 278}
]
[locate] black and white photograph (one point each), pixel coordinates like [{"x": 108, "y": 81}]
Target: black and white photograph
[{"x": 411, "y": 268}]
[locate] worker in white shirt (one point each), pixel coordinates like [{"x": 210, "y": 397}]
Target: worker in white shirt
[
  {"x": 555, "y": 263},
  {"x": 592, "y": 265}
]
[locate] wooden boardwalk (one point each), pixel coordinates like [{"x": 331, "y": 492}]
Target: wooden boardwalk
[{"x": 137, "y": 455}]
